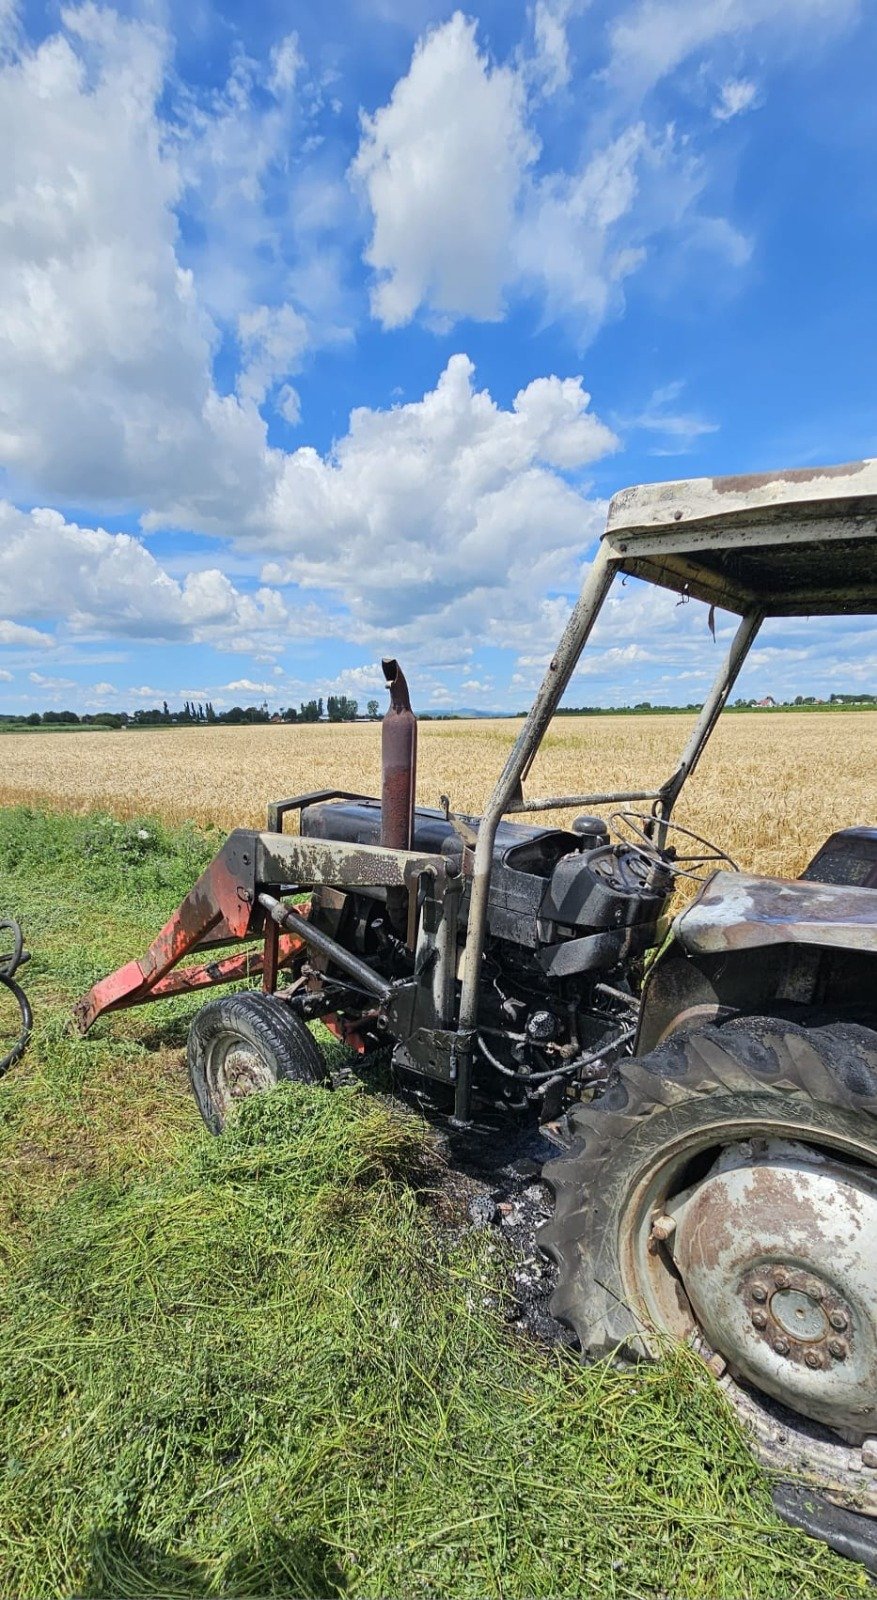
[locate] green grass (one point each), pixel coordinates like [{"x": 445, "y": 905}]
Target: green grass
[
  {"x": 54, "y": 727},
  {"x": 262, "y": 1365}
]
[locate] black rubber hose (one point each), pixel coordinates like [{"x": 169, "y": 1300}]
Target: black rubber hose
[
  {"x": 20, "y": 1045},
  {"x": 10, "y": 962},
  {"x": 9, "y": 965}
]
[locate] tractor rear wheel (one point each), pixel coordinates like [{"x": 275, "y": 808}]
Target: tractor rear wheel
[
  {"x": 723, "y": 1191},
  {"x": 243, "y": 1044}
]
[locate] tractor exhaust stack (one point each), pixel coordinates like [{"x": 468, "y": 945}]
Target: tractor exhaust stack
[{"x": 398, "y": 762}]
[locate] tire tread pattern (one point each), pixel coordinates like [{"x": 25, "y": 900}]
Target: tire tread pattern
[
  {"x": 832, "y": 1064},
  {"x": 277, "y": 1033}
]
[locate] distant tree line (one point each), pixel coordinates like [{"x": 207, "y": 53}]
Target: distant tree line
[
  {"x": 338, "y": 708},
  {"x": 341, "y": 708},
  {"x": 645, "y": 706}
]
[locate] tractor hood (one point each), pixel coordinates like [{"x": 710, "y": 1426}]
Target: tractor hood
[{"x": 734, "y": 911}]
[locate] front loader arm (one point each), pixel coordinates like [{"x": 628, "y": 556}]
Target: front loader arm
[
  {"x": 223, "y": 908},
  {"x": 219, "y": 909}
]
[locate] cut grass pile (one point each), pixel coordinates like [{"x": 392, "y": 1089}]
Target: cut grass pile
[{"x": 259, "y": 1365}]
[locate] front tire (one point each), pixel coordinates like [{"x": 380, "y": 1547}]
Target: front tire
[
  {"x": 244, "y": 1044},
  {"x": 724, "y": 1191}
]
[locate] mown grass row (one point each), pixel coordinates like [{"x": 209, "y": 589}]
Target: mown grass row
[{"x": 259, "y": 1365}]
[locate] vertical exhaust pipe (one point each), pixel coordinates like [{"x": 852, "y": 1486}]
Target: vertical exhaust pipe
[{"x": 398, "y": 762}]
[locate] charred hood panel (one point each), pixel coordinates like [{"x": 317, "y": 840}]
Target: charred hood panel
[
  {"x": 526, "y": 849},
  {"x": 579, "y": 908}
]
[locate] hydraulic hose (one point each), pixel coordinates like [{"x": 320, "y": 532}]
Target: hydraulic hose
[
  {"x": 564, "y": 1071},
  {"x": 9, "y": 965}
]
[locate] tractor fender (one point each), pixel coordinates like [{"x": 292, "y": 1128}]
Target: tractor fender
[
  {"x": 759, "y": 945},
  {"x": 734, "y": 911}
]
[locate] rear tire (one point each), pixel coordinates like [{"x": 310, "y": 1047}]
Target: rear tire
[
  {"x": 641, "y": 1256},
  {"x": 244, "y": 1044}
]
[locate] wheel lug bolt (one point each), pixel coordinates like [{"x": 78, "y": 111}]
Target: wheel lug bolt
[
  {"x": 781, "y": 1277},
  {"x": 813, "y": 1358},
  {"x": 781, "y": 1346},
  {"x": 838, "y": 1320},
  {"x": 837, "y": 1348},
  {"x": 759, "y": 1293},
  {"x": 759, "y": 1319},
  {"x": 663, "y": 1227}
]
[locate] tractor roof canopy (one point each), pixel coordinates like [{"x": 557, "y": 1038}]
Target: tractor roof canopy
[{"x": 795, "y": 543}]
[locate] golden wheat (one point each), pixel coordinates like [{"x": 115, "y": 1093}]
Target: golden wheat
[{"x": 770, "y": 787}]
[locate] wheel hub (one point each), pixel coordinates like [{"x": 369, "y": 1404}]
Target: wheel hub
[
  {"x": 237, "y": 1070},
  {"x": 775, "y": 1248},
  {"x": 798, "y": 1315}
]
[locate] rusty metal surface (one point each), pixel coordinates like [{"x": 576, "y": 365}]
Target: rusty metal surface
[
  {"x": 734, "y": 911},
  {"x": 507, "y": 791},
  {"x": 850, "y": 485},
  {"x": 249, "y": 963},
  {"x": 221, "y": 907},
  {"x": 847, "y": 856},
  {"x": 794, "y": 543},
  {"x": 285, "y": 858},
  {"x": 362, "y": 974},
  {"x": 775, "y": 1248},
  {"x": 398, "y": 762},
  {"x": 270, "y": 955},
  {"x": 564, "y": 802},
  {"x": 353, "y": 1034},
  {"x": 278, "y": 809},
  {"x": 222, "y": 898}
]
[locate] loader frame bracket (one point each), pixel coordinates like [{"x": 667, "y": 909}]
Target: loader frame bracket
[{"x": 223, "y": 909}]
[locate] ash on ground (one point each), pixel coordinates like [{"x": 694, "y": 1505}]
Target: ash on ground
[
  {"x": 490, "y": 1179},
  {"x": 493, "y": 1181}
]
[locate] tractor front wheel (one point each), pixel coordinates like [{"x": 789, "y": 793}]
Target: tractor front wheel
[
  {"x": 243, "y": 1044},
  {"x": 723, "y": 1191}
]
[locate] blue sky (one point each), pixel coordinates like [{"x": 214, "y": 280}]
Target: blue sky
[{"x": 326, "y": 333}]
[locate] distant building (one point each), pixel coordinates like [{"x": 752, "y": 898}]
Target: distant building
[{"x": 767, "y": 701}]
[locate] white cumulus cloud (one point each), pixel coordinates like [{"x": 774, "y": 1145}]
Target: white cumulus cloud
[
  {"x": 441, "y": 504},
  {"x": 107, "y": 335},
  {"x": 109, "y": 583},
  {"x": 551, "y": 63},
  {"x": 17, "y": 635},
  {"x": 272, "y": 339},
  {"x": 464, "y": 214},
  {"x": 442, "y": 164},
  {"x": 105, "y": 350}
]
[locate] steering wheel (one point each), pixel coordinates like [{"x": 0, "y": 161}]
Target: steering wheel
[{"x": 638, "y": 823}]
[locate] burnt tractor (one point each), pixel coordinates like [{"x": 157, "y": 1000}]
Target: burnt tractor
[{"x": 712, "y": 1080}]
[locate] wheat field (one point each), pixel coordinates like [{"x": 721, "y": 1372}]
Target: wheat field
[{"x": 769, "y": 788}]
